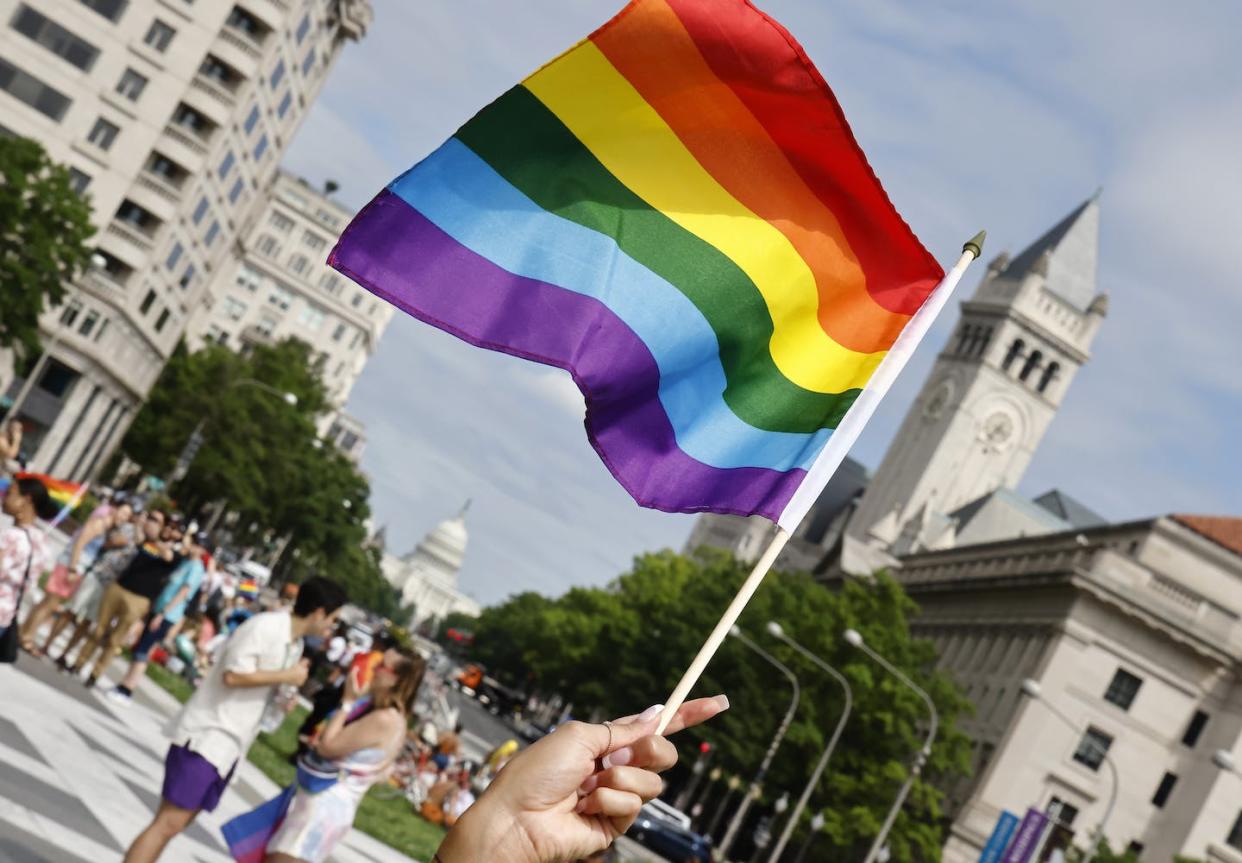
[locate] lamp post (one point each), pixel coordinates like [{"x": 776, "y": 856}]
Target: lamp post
[
  {"x": 777, "y": 632},
  {"x": 1224, "y": 759},
  {"x": 1031, "y": 689},
  {"x": 855, "y": 638},
  {"x": 734, "y": 783},
  {"x": 753, "y": 791},
  {"x": 195, "y": 442},
  {"x": 817, "y": 824}
]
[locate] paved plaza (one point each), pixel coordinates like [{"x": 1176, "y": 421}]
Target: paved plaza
[{"x": 80, "y": 777}]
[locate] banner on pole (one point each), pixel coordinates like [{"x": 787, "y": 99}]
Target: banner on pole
[
  {"x": 999, "y": 840},
  {"x": 1022, "y": 849}
]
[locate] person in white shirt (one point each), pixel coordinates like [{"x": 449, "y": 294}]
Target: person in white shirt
[{"x": 220, "y": 721}]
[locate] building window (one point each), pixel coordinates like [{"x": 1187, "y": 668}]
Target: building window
[
  {"x": 187, "y": 277},
  {"x": 1163, "y": 791},
  {"x": 218, "y": 71},
  {"x": 1092, "y": 748},
  {"x": 159, "y": 35},
  {"x": 147, "y": 302},
  {"x": 280, "y": 297},
  {"x": 357, "y": 338},
  {"x": 240, "y": 19},
  {"x": 1050, "y": 375},
  {"x": 308, "y": 63},
  {"x": 79, "y": 181},
  {"x": 29, "y": 89},
  {"x": 102, "y": 134},
  {"x": 1032, "y": 363},
  {"x": 985, "y": 339},
  {"x": 251, "y": 120},
  {"x": 967, "y": 333},
  {"x": 161, "y": 320},
  {"x": 88, "y": 323},
  {"x": 235, "y": 192},
  {"x": 71, "y": 312},
  {"x": 314, "y": 242},
  {"x": 277, "y": 74},
  {"x": 211, "y": 233},
  {"x": 357, "y": 299},
  {"x": 268, "y": 246},
  {"x": 165, "y": 168},
  {"x": 55, "y": 38},
  {"x": 280, "y": 222},
  {"x": 103, "y": 328},
  {"x": 331, "y": 283},
  {"x": 1015, "y": 351},
  {"x": 131, "y": 85},
  {"x": 303, "y": 27},
  {"x": 327, "y": 218},
  {"x": 260, "y": 148},
  {"x": 299, "y": 263},
  {"x": 234, "y": 310},
  {"x": 226, "y": 165},
  {"x": 1195, "y": 729},
  {"x": 110, "y": 9},
  {"x": 217, "y": 335},
  {"x": 266, "y": 325},
  {"x": 283, "y": 107},
  {"x": 173, "y": 256},
  {"x": 311, "y": 317},
  {"x": 187, "y": 118},
  {"x": 339, "y": 332},
  {"x": 200, "y": 211},
  {"x": 132, "y": 214},
  {"x": 1062, "y": 812},
  {"x": 1234, "y": 839},
  {"x": 249, "y": 278},
  {"x": 1123, "y": 689}
]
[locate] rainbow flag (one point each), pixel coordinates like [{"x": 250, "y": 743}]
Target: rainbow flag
[
  {"x": 67, "y": 495},
  {"x": 677, "y": 213}
]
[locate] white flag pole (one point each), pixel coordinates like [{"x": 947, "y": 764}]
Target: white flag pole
[{"x": 824, "y": 467}]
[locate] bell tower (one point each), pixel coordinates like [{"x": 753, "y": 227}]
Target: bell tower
[{"x": 995, "y": 387}]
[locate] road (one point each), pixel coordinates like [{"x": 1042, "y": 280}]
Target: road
[{"x": 482, "y": 731}]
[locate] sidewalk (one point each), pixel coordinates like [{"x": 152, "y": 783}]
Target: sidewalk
[{"x": 80, "y": 777}]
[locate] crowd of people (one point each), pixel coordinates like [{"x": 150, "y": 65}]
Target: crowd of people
[{"x": 139, "y": 577}]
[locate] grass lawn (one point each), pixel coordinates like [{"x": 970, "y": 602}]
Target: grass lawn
[{"x": 390, "y": 821}]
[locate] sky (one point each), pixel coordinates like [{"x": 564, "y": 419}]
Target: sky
[{"x": 997, "y": 116}]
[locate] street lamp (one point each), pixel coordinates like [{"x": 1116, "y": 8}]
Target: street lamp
[
  {"x": 191, "y": 448},
  {"x": 1224, "y": 759},
  {"x": 731, "y": 786},
  {"x": 775, "y": 630},
  {"x": 854, "y": 637},
  {"x": 1031, "y": 689},
  {"x": 817, "y": 824},
  {"x": 753, "y": 791}
]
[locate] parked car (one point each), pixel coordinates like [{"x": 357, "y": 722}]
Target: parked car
[{"x": 658, "y": 830}]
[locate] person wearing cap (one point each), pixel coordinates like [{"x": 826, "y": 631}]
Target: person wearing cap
[{"x": 166, "y": 612}]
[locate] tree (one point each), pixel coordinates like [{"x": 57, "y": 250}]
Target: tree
[
  {"x": 261, "y": 459},
  {"x": 44, "y": 226},
  {"x": 620, "y": 648}
]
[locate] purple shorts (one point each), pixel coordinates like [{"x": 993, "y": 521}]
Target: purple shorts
[{"x": 191, "y": 781}]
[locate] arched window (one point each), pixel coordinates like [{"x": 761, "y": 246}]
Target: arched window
[
  {"x": 1032, "y": 363},
  {"x": 1015, "y": 351},
  {"x": 982, "y": 345},
  {"x": 1050, "y": 375},
  {"x": 967, "y": 333}
]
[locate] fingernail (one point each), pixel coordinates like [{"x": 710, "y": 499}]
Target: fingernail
[
  {"x": 581, "y": 807},
  {"x": 588, "y": 786},
  {"x": 620, "y": 758},
  {"x": 722, "y": 701},
  {"x": 651, "y": 713}
]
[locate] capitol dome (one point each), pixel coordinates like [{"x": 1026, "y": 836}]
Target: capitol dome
[{"x": 443, "y": 550}]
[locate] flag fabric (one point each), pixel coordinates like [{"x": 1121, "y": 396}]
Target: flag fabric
[
  {"x": 66, "y": 495},
  {"x": 676, "y": 212}
]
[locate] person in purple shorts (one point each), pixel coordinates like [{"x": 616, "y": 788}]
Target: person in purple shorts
[{"x": 220, "y": 721}]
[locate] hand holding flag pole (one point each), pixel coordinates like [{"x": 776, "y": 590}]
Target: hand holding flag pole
[{"x": 823, "y": 469}]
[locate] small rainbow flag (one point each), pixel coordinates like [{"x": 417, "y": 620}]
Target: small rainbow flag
[
  {"x": 248, "y": 588},
  {"x": 677, "y": 213}
]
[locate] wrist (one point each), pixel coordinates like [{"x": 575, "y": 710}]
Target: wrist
[{"x": 482, "y": 833}]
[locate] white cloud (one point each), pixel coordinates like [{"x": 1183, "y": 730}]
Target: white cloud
[{"x": 1003, "y": 116}]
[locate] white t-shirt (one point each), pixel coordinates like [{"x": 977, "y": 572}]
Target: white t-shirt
[{"x": 220, "y": 722}]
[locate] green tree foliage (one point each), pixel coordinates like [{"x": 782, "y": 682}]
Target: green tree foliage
[
  {"x": 44, "y": 226},
  {"x": 623, "y": 647},
  {"x": 261, "y": 460}
]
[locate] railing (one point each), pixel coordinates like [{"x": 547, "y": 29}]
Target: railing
[
  {"x": 241, "y": 43},
  {"x": 130, "y": 235},
  {"x": 185, "y": 139},
  {"x": 215, "y": 91},
  {"x": 160, "y": 187}
]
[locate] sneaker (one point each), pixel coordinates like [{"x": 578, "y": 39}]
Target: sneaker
[
  {"x": 89, "y": 683},
  {"x": 118, "y": 697}
]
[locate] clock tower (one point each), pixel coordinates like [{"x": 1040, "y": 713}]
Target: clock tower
[{"x": 993, "y": 390}]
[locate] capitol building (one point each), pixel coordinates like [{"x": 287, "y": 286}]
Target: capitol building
[{"x": 427, "y": 576}]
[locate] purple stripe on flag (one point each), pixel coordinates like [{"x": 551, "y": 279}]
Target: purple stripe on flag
[{"x": 395, "y": 252}]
